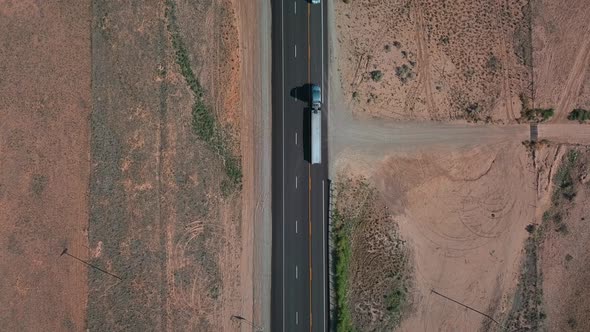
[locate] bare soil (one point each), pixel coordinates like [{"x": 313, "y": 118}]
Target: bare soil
[{"x": 45, "y": 100}]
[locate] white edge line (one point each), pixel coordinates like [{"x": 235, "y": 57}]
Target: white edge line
[
  {"x": 283, "y": 141},
  {"x": 324, "y": 247},
  {"x": 323, "y": 194}
]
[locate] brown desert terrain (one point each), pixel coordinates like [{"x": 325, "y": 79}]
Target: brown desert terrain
[
  {"x": 126, "y": 138},
  {"x": 45, "y": 102},
  {"x": 430, "y": 105},
  {"x": 463, "y": 60}
]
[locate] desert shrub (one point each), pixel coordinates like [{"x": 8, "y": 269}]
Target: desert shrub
[
  {"x": 539, "y": 114},
  {"x": 342, "y": 253},
  {"x": 376, "y": 75},
  {"x": 395, "y": 301},
  {"x": 568, "y": 257},
  {"x": 473, "y": 109},
  {"x": 547, "y": 113},
  {"x": 571, "y": 322},
  {"x": 234, "y": 170},
  {"x": 562, "y": 228},
  {"x": 579, "y": 115},
  {"x": 404, "y": 73},
  {"x": 493, "y": 63},
  {"x": 530, "y": 228},
  {"x": 204, "y": 123}
]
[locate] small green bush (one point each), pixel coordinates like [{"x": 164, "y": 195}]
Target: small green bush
[
  {"x": 376, "y": 75},
  {"x": 404, "y": 73},
  {"x": 493, "y": 63},
  {"x": 203, "y": 122},
  {"x": 579, "y": 115},
  {"x": 539, "y": 114}
]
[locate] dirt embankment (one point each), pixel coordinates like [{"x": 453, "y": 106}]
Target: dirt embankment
[
  {"x": 44, "y": 108},
  {"x": 551, "y": 293},
  {"x": 564, "y": 254}
]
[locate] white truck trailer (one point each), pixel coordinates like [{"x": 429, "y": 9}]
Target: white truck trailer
[{"x": 316, "y": 124}]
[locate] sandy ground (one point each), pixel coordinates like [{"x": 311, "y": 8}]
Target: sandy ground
[{"x": 44, "y": 131}]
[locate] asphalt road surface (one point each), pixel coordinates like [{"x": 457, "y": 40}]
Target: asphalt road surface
[{"x": 300, "y": 190}]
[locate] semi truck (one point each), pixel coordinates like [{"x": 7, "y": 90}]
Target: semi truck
[{"x": 316, "y": 124}]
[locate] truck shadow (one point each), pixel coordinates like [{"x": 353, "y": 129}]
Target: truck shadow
[
  {"x": 302, "y": 93},
  {"x": 306, "y": 134}
]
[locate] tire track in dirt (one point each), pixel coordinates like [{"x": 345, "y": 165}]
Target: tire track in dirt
[
  {"x": 506, "y": 87},
  {"x": 424, "y": 63},
  {"x": 575, "y": 80}
]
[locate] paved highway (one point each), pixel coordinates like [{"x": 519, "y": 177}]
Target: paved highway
[{"x": 299, "y": 189}]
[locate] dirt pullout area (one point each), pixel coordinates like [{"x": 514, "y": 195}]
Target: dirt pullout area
[
  {"x": 462, "y": 214},
  {"x": 165, "y": 179},
  {"x": 561, "y": 43},
  {"x": 44, "y": 107},
  {"x": 435, "y": 60}
]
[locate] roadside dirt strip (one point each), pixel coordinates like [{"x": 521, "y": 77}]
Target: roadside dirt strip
[{"x": 254, "y": 27}]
